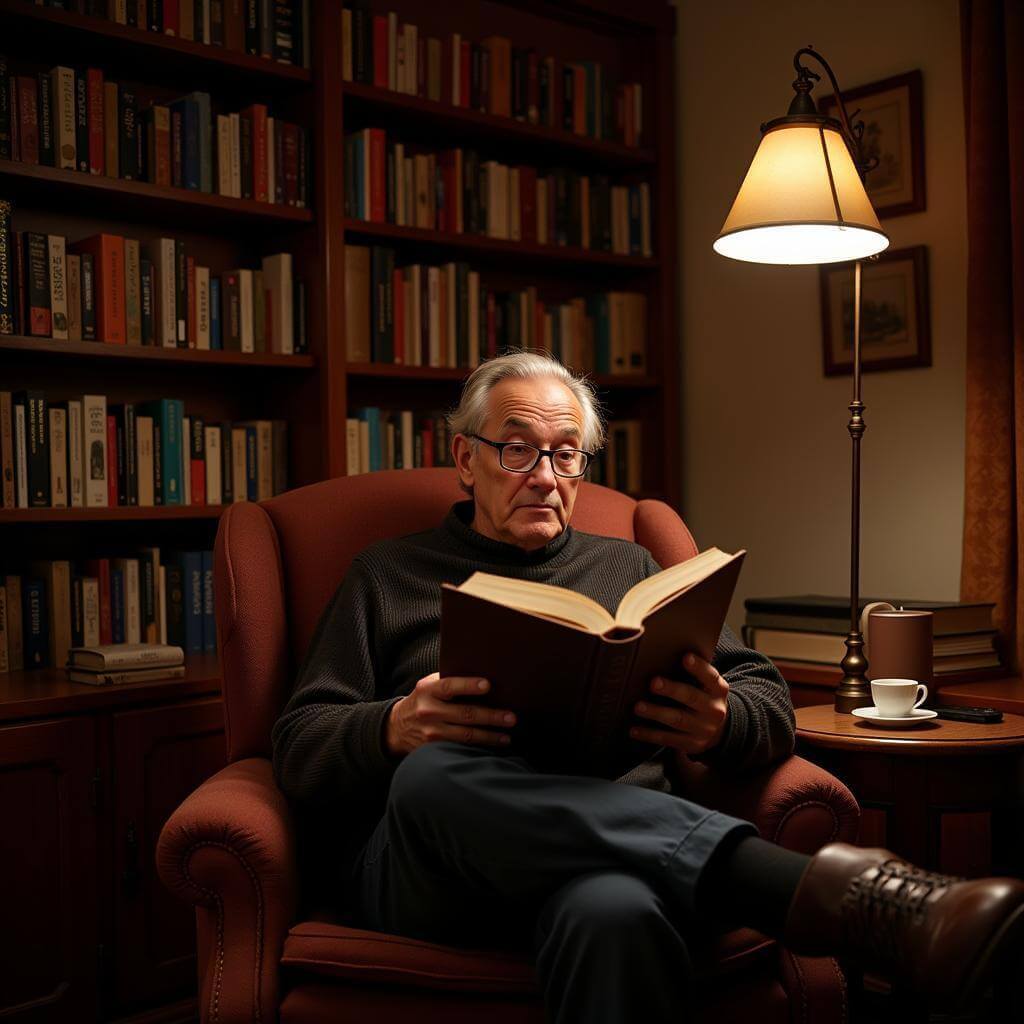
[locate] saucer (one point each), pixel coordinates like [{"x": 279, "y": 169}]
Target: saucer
[{"x": 872, "y": 714}]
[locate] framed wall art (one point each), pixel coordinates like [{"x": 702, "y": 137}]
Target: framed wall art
[
  {"x": 893, "y": 134},
  {"x": 895, "y": 325}
]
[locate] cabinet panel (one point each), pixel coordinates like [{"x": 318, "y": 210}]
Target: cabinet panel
[
  {"x": 160, "y": 756},
  {"x": 48, "y": 945}
]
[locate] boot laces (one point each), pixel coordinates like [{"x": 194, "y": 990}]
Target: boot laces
[{"x": 884, "y": 899}]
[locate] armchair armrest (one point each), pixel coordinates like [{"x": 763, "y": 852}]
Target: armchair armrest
[
  {"x": 229, "y": 849},
  {"x": 793, "y": 803}
]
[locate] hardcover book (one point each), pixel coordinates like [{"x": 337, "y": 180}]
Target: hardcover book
[{"x": 577, "y": 671}]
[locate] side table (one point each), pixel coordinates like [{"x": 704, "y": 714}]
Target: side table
[{"x": 945, "y": 795}]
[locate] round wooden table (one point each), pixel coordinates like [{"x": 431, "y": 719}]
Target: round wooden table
[{"x": 946, "y": 795}]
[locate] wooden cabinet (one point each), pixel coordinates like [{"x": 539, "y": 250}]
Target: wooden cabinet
[
  {"x": 160, "y": 755},
  {"x": 88, "y": 932},
  {"x": 49, "y": 934}
]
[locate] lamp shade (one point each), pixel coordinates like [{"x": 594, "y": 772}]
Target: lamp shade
[{"x": 801, "y": 202}]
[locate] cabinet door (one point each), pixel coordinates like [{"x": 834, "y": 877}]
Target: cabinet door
[
  {"x": 160, "y": 756},
  {"x": 49, "y": 936}
]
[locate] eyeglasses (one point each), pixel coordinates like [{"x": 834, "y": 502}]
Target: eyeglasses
[{"x": 519, "y": 457}]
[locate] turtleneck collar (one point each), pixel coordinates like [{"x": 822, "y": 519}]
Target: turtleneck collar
[{"x": 456, "y": 525}]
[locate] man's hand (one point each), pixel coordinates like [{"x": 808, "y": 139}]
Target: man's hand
[
  {"x": 698, "y": 723},
  {"x": 427, "y": 715}
]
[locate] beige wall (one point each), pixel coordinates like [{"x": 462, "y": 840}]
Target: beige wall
[{"x": 766, "y": 452}]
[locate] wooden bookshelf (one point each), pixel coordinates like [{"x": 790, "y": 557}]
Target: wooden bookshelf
[
  {"x": 48, "y": 691},
  {"x": 74, "y": 351},
  {"x": 464, "y": 125},
  {"x": 139, "y": 200},
  {"x": 636, "y": 41},
  {"x": 511, "y": 253},
  {"x": 118, "y": 513},
  {"x": 150, "y": 53},
  {"x": 90, "y": 728},
  {"x": 447, "y": 373}
]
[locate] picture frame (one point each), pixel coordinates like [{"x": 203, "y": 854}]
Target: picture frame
[
  {"x": 895, "y": 321},
  {"x": 892, "y": 112}
]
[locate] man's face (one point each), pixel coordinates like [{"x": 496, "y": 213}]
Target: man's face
[{"x": 525, "y": 509}]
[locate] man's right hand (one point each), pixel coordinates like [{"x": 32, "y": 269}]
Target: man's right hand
[{"x": 428, "y": 714}]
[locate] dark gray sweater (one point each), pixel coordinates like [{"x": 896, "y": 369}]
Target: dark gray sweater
[{"x": 381, "y": 633}]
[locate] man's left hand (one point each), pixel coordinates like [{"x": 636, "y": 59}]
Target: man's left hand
[{"x": 699, "y": 721}]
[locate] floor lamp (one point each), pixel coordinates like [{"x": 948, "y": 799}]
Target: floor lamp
[{"x": 803, "y": 202}]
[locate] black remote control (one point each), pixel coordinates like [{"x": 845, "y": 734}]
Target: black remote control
[{"x": 983, "y": 715}]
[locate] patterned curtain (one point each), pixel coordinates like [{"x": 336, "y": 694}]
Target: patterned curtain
[{"x": 992, "y": 34}]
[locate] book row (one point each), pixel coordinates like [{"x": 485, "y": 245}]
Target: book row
[
  {"x": 141, "y": 597},
  {"x": 86, "y": 453},
  {"x": 121, "y": 291},
  {"x": 396, "y": 439},
  {"x": 620, "y": 465},
  {"x": 378, "y": 438},
  {"x": 457, "y": 191},
  {"x": 491, "y": 76},
  {"x": 274, "y": 29},
  {"x": 420, "y": 315},
  {"x": 77, "y": 120}
]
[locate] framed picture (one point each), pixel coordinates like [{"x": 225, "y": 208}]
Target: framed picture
[
  {"x": 894, "y": 134},
  {"x": 895, "y": 330}
]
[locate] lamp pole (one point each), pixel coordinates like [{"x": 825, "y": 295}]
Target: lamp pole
[{"x": 854, "y": 690}]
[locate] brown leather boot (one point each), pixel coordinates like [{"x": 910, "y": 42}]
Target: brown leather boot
[{"x": 942, "y": 935}]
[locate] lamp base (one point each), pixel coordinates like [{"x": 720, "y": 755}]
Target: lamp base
[{"x": 854, "y": 690}]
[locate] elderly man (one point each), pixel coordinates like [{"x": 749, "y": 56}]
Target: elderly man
[{"x": 449, "y": 839}]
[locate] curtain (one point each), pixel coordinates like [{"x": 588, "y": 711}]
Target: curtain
[{"x": 992, "y": 37}]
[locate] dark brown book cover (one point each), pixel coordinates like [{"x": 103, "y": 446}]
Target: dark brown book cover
[{"x": 573, "y": 690}]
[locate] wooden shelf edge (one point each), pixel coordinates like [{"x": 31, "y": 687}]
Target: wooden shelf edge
[
  {"x": 481, "y": 243},
  {"x": 448, "y": 373},
  {"x": 187, "y": 49},
  {"x": 811, "y": 674},
  {"x": 143, "y": 191},
  {"x": 31, "y": 693},
  {"x": 119, "y": 513},
  {"x": 496, "y": 126},
  {"x": 154, "y": 354}
]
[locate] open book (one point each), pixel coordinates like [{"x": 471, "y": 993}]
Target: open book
[{"x": 571, "y": 671}]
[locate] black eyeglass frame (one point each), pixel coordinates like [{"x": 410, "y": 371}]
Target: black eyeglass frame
[{"x": 541, "y": 452}]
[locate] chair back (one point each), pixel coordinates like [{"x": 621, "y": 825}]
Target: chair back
[{"x": 277, "y": 564}]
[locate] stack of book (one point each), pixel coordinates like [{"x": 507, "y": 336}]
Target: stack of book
[
  {"x": 275, "y": 29},
  {"x": 143, "y": 596},
  {"x": 447, "y": 316},
  {"x": 378, "y": 438},
  {"x": 76, "y": 120},
  {"x": 125, "y": 663},
  {"x": 491, "y": 76},
  {"x": 460, "y": 192},
  {"x": 120, "y": 291},
  {"x": 812, "y": 629},
  {"x": 84, "y": 453}
]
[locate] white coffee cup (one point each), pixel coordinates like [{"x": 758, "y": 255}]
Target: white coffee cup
[{"x": 896, "y": 698}]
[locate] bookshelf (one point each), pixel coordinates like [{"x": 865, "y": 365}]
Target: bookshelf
[
  {"x": 121, "y": 758},
  {"x": 88, "y": 733},
  {"x": 634, "y": 42}
]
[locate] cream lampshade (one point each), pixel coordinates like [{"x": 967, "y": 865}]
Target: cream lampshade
[{"x": 802, "y": 201}]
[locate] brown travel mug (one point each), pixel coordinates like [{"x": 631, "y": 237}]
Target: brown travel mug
[{"x": 900, "y": 645}]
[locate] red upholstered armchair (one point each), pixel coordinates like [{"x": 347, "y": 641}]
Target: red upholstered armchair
[{"x": 230, "y": 847}]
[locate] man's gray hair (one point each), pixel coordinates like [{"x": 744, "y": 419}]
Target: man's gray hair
[{"x": 471, "y": 413}]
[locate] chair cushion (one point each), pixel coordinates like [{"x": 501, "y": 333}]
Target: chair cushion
[{"x": 326, "y": 948}]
